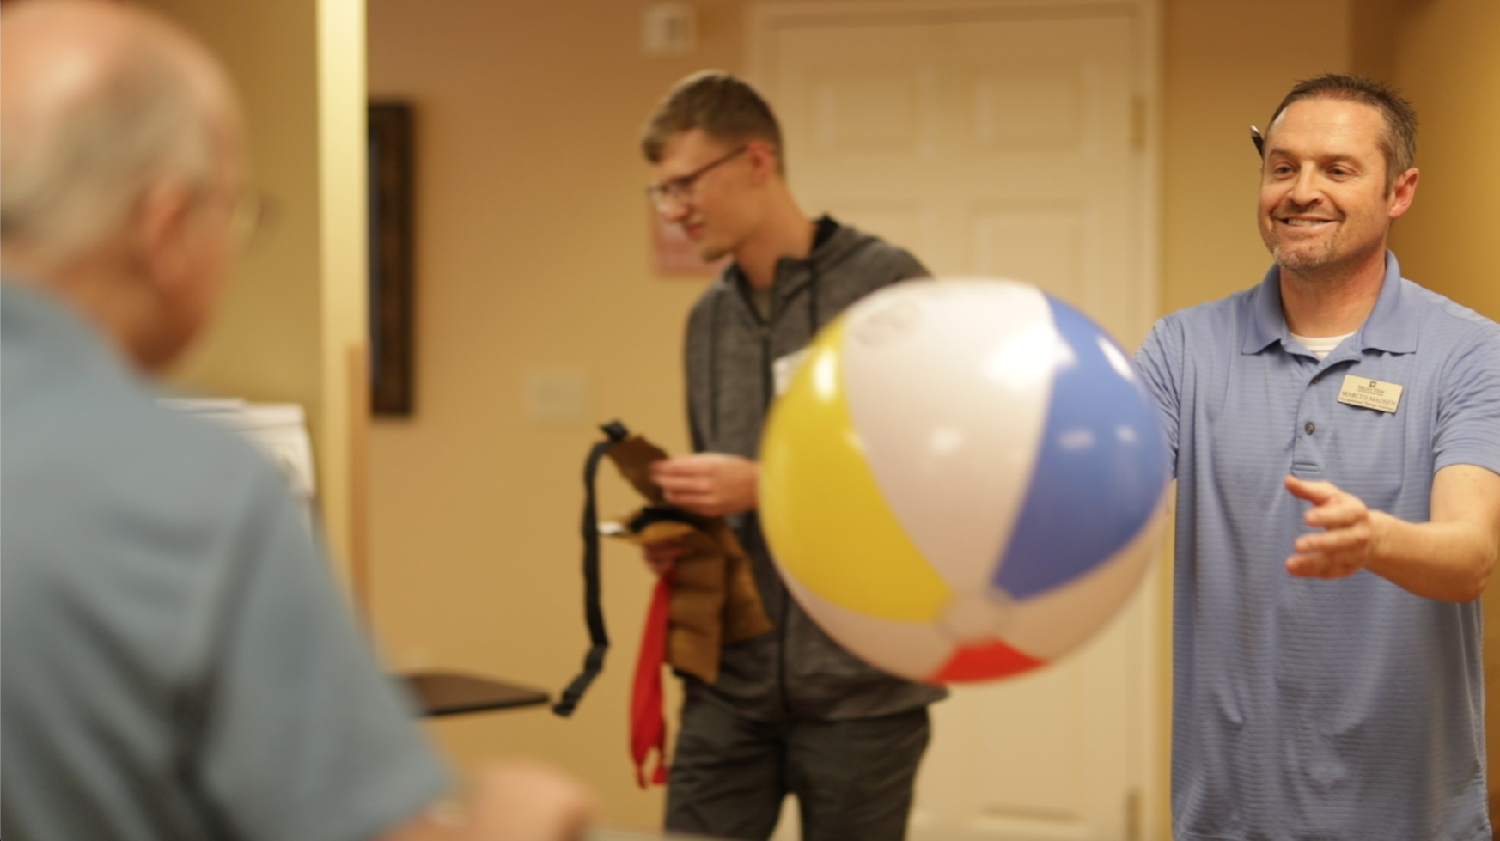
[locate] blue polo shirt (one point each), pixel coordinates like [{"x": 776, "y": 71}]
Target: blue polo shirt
[{"x": 1304, "y": 708}]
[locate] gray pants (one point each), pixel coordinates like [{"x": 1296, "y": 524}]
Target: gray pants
[{"x": 852, "y": 779}]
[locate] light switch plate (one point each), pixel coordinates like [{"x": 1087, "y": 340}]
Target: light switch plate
[{"x": 557, "y": 395}]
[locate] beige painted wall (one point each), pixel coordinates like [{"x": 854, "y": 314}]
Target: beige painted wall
[{"x": 1447, "y": 61}]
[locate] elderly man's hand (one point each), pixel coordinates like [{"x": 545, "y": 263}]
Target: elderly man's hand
[{"x": 519, "y": 801}]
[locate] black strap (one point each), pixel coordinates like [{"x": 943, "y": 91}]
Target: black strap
[{"x": 593, "y": 608}]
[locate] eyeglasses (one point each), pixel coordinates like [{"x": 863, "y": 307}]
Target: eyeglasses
[
  {"x": 251, "y": 215},
  {"x": 677, "y": 191}
]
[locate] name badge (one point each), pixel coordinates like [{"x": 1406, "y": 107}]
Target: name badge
[
  {"x": 1370, "y": 394},
  {"x": 785, "y": 368}
]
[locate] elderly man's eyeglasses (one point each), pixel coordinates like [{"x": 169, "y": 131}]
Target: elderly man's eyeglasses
[
  {"x": 677, "y": 191},
  {"x": 251, "y": 215}
]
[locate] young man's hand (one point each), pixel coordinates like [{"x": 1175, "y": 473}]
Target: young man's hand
[{"x": 710, "y": 484}]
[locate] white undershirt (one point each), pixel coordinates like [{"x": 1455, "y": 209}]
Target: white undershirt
[{"x": 1321, "y": 347}]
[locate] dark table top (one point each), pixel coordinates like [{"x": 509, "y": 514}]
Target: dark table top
[{"x": 442, "y": 693}]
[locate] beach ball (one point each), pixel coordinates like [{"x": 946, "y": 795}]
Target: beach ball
[{"x": 964, "y": 480}]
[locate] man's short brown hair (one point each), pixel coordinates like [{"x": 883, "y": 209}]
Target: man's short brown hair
[
  {"x": 1398, "y": 142},
  {"x": 721, "y": 105}
]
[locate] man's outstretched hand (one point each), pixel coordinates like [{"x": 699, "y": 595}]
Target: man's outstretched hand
[{"x": 1350, "y": 531}]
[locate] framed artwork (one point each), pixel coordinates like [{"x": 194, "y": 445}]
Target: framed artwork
[{"x": 392, "y": 292}]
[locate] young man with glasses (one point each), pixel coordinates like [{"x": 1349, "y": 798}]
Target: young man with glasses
[{"x": 791, "y": 712}]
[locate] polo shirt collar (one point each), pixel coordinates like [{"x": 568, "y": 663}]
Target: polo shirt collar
[
  {"x": 1386, "y": 328},
  {"x": 1267, "y": 322},
  {"x": 1391, "y": 327}
]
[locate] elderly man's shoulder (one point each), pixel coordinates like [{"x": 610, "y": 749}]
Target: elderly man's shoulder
[
  {"x": 197, "y": 462},
  {"x": 95, "y": 443}
]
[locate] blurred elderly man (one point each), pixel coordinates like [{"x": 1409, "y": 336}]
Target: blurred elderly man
[{"x": 178, "y": 662}]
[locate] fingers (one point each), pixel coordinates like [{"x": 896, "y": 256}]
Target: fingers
[
  {"x": 693, "y": 496},
  {"x": 1332, "y": 507},
  {"x": 1322, "y": 566},
  {"x": 1339, "y": 513},
  {"x": 1344, "y": 544},
  {"x": 690, "y": 483},
  {"x": 684, "y": 487},
  {"x": 686, "y": 481},
  {"x": 529, "y": 802},
  {"x": 1333, "y": 554},
  {"x": 1332, "y": 542},
  {"x": 1312, "y": 491},
  {"x": 683, "y": 468},
  {"x": 708, "y": 484}
]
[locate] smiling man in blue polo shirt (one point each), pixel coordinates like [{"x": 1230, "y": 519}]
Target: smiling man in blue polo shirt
[{"x": 1336, "y": 435}]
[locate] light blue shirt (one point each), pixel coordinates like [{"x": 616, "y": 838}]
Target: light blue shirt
[
  {"x": 178, "y": 662},
  {"x": 1304, "y": 708}
]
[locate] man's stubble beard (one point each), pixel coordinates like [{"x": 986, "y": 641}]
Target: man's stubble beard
[{"x": 1311, "y": 260}]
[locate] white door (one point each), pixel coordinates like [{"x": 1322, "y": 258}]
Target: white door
[{"x": 1000, "y": 139}]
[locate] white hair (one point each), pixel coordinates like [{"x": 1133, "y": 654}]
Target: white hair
[{"x": 74, "y": 177}]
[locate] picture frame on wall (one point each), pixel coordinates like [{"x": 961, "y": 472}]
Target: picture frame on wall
[{"x": 392, "y": 258}]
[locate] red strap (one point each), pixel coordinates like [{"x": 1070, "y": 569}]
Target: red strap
[{"x": 648, "y": 725}]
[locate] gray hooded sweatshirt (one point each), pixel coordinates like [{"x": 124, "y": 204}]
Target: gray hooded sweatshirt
[{"x": 795, "y": 670}]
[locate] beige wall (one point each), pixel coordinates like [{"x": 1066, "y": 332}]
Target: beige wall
[{"x": 1447, "y": 61}]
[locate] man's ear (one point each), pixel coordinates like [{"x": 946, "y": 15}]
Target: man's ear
[
  {"x": 763, "y": 160},
  {"x": 162, "y": 231},
  {"x": 1403, "y": 192}
]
